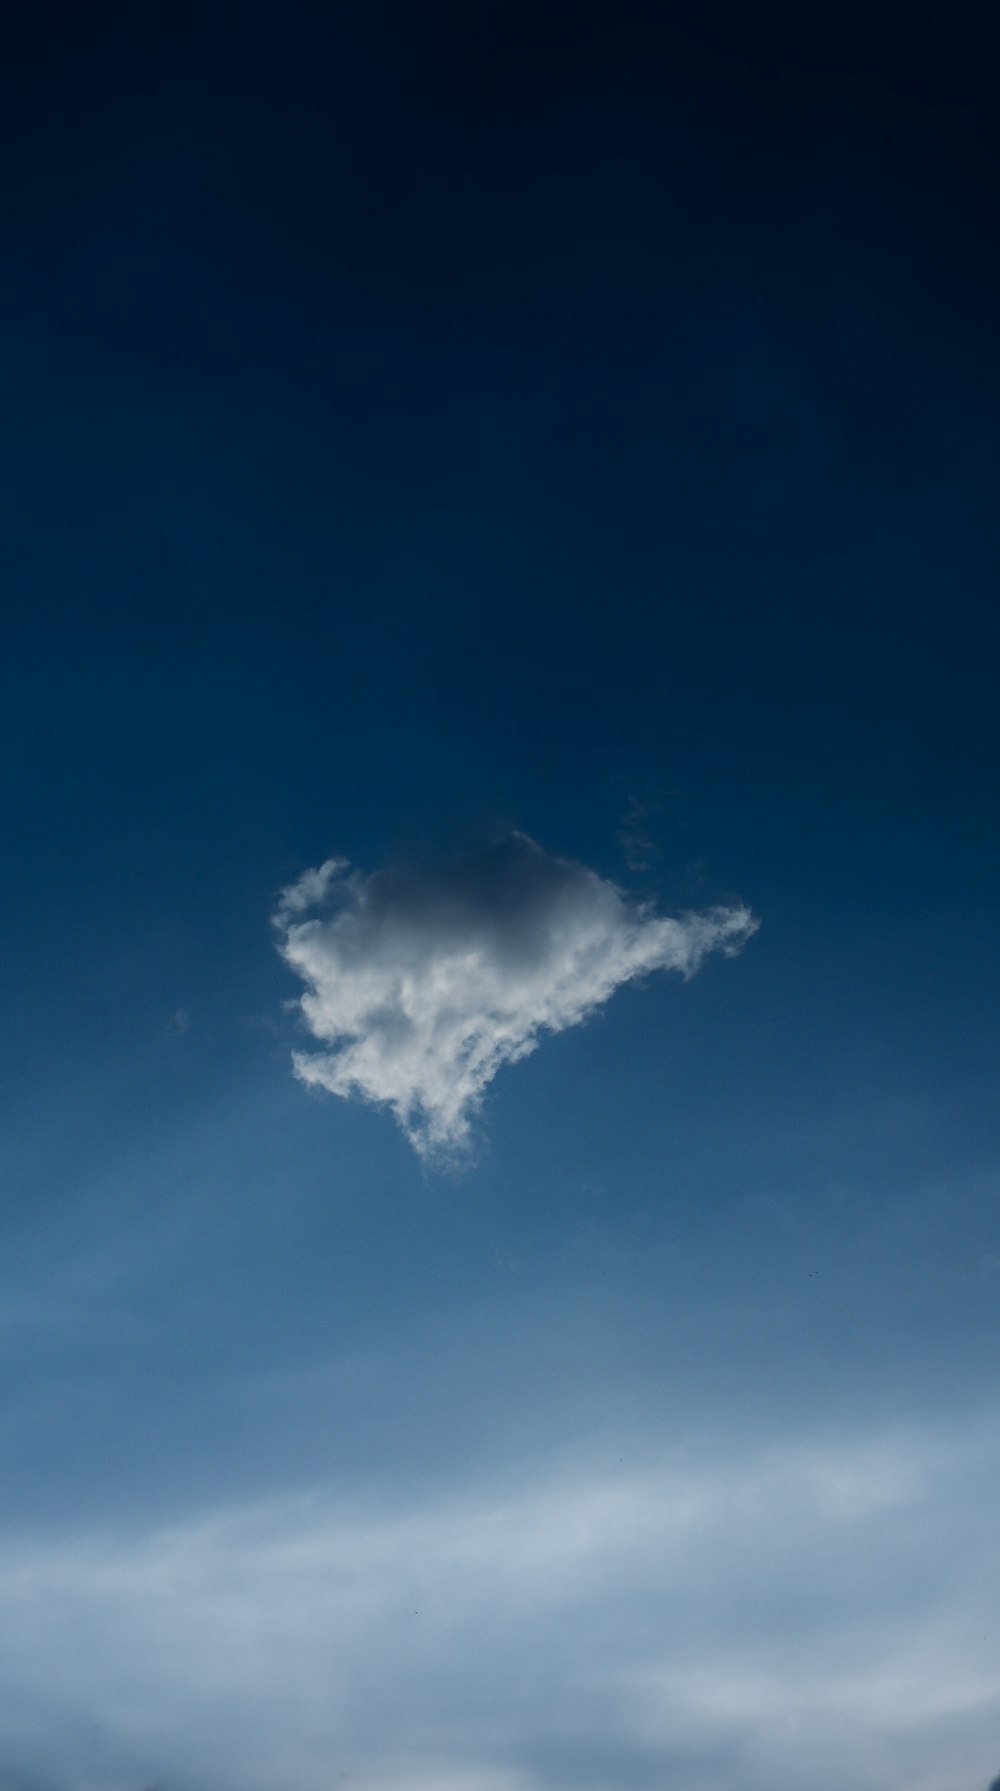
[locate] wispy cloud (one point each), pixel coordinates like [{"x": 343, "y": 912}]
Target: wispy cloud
[
  {"x": 636, "y": 835},
  {"x": 422, "y": 983}
]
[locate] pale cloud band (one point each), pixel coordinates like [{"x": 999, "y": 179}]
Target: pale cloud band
[
  {"x": 421, "y": 984},
  {"x": 814, "y": 1611}
]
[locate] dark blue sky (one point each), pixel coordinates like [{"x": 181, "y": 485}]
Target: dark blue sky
[{"x": 425, "y": 424}]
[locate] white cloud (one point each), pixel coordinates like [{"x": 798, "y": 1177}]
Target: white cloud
[
  {"x": 422, "y": 984},
  {"x": 310, "y": 889}
]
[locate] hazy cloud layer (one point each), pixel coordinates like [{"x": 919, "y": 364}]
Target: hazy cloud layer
[
  {"x": 422, "y": 984},
  {"x": 812, "y": 1615}
]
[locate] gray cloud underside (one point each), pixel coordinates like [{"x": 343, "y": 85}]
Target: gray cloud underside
[{"x": 421, "y": 985}]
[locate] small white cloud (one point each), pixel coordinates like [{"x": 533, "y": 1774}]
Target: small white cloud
[{"x": 421, "y": 984}]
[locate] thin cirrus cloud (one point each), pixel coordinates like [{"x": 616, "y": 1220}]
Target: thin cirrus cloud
[{"x": 420, "y": 984}]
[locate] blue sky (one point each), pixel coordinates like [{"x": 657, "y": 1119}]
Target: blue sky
[{"x": 544, "y": 462}]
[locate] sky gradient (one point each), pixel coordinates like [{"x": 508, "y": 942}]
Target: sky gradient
[{"x": 500, "y": 527}]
